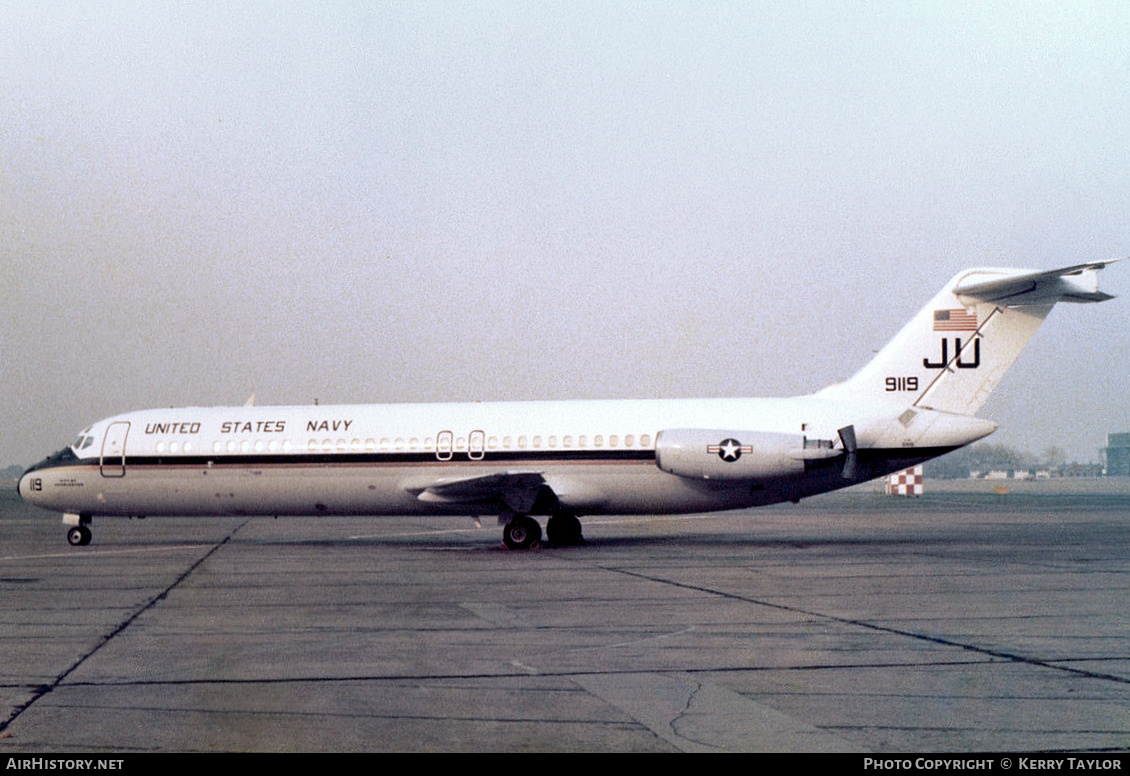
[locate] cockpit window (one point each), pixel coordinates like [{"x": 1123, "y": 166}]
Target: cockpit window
[
  {"x": 66, "y": 454},
  {"x": 83, "y": 442}
]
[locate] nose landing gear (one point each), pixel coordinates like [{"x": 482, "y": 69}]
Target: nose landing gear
[{"x": 78, "y": 535}]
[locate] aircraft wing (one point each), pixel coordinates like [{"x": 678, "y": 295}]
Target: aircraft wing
[
  {"x": 1022, "y": 287},
  {"x": 517, "y": 490}
]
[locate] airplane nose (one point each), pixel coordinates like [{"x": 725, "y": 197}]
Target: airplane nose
[
  {"x": 26, "y": 486},
  {"x": 23, "y": 487}
]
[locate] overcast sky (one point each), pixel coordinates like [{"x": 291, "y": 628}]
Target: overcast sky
[{"x": 433, "y": 201}]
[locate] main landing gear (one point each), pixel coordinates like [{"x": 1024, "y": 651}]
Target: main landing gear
[
  {"x": 78, "y": 535},
  {"x": 522, "y": 532},
  {"x": 564, "y": 529}
]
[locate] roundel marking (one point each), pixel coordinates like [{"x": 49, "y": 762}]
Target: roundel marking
[{"x": 728, "y": 450}]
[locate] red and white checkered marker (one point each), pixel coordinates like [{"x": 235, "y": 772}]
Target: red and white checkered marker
[{"x": 905, "y": 483}]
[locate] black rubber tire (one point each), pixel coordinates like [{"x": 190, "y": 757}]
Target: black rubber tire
[{"x": 521, "y": 533}]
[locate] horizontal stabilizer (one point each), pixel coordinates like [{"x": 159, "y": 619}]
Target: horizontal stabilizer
[{"x": 1079, "y": 283}]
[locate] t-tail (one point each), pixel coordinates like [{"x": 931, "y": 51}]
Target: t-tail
[
  {"x": 952, "y": 354},
  {"x": 922, "y": 390}
]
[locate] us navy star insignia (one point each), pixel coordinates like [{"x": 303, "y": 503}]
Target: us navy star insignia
[{"x": 729, "y": 450}]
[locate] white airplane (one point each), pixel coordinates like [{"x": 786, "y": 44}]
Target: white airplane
[{"x": 914, "y": 401}]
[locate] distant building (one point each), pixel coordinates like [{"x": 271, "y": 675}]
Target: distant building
[
  {"x": 1117, "y": 455},
  {"x": 1081, "y": 470}
]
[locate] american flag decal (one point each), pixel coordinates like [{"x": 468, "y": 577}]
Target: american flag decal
[{"x": 955, "y": 320}]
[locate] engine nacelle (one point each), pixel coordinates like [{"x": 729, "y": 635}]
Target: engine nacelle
[{"x": 729, "y": 455}]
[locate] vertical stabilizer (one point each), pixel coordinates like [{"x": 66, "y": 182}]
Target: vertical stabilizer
[{"x": 952, "y": 354}]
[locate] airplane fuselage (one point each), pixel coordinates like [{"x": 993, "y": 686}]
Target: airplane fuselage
[{"x": 596, "y": 456}]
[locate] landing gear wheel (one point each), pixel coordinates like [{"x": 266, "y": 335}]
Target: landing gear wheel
[
  {"x": 521, "y": 533},
  {"x": 564, "y": 529},
  {"x": 79, "y": 536}
]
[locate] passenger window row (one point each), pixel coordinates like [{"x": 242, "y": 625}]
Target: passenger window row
[
  {"x": 462, "y": 443},
  {"x": 413, "y": 444}
]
